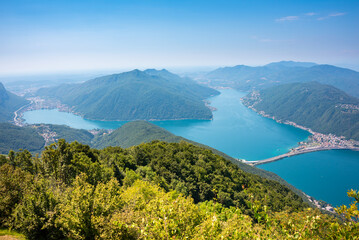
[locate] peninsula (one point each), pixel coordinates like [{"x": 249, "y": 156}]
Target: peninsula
[
  {"x": 342, "y": 109},
  {"x": 316, "y": 142}
]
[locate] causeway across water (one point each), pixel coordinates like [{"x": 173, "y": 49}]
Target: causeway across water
[{"x": 293, "y": 153}]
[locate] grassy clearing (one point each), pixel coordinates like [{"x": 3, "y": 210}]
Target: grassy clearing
[{"x": 6, "y": 234}]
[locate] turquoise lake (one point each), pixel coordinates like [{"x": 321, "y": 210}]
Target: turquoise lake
[
  {"x": 242, "y": 133},
  {"x": 324, "y": 175}
]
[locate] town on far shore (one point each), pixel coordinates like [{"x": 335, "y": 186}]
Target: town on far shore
[
  {"x": 325, "y": 141},
  {"x": 315, "y": 142}
]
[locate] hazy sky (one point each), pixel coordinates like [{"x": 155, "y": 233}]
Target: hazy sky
[{"x": 71, "y": 35}]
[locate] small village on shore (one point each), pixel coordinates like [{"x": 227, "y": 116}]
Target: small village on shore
[
  {"x": 315, "y": 142},
  {"x": 37, "y": 103}
]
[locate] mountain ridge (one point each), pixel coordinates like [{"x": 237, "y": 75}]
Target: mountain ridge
[
  {"x": 248, "y": 78},
  {"x": 135, "y": 95},
  {"x": 9, "y": 103},
  {"x": 323, "y": 108}
]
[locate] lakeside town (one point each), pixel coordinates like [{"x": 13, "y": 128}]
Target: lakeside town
[
  {"x": 37, "y": 103},
  {"x": 319, "y": 140},
  {"x": 316, "y": 141}
]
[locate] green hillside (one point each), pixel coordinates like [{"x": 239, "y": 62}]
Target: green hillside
[
  {"x": 247, "y": 78},
  {"x": 155, "y": 190},
  {"x": 15, "y": 138},
  {"x": 130, "y": 134},
  {"x": 322, "y": 108},
  {"x": 134, "y": 133},
  {"x": 9, "y": 103},
  {"x": 28, "y": 137},
  {"x": 137, "y": 132},
  {"x": 135, "y": 95}
]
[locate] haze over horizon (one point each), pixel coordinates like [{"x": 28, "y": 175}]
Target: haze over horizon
[{"x": 42, "y": 36}]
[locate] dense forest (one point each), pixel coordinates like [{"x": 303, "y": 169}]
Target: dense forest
[
  {"x": 248, "y": 78},
  {"x": 155, "y": 190},
  {"x": 128, "y": 135},
  {"x": 134, "y": 95},
  {"x": 137, "y": 132},
  {"x": 322, "y": 108}
]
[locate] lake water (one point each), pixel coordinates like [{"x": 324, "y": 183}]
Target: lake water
[
  {"x": 242, "y": 133},
  {"x": 324, "y": 175}
]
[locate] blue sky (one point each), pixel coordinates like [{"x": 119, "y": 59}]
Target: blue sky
[{"x": 64, "y": 36}]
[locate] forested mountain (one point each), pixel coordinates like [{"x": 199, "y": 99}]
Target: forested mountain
[
  {"x": 9, "y": 103},
  {"x": 135, "y": 95},
  {"x": 128, "y": 135},
  {"x": 137, "y": 132},
  {"x": 155, "y": 190},
  {"x": 15, "y": 138},
  {"x": 248, "y": 78},
  {"x": 134, "y": 133},
  {"x": 29, "y": 137},
  {"x": 323, "y": 108}
]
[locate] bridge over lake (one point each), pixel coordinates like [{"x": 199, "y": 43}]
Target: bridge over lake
[{"x": 297, "y": 152}]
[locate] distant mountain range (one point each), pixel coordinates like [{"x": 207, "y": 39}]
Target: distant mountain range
[
  {"x": 9, "y": 103},
  {"x": 323, "y": 108},
  {"x": 248, "y": 78},
  {"x": 134, "y": 95}
]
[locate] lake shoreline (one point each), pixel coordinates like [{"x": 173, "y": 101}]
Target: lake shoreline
[
  {"x": 316, "y": 141},
  {"x": 38, "y": 103},
  {"x": 235, "y": 130}
]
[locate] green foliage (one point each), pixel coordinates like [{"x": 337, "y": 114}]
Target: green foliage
[
  {"x": 13, "y": 234},
  {"x": 22, "y": 159},
  {"x": 13, "y": 185},
  {"x": 130, "y": 134},
  {"x": 75, "y": 192},
  {"x": 87, "y": 209},
  {"x": 160, "y": 215},
  {"x": 137, "y": 132},
  {"x": 312, "y": 105},
  {"x": 63, "y": 162},
  {"x": 351, "y": 213},
  {"x": 135, "y": 95},
  {"x": 248, "y": 78},
  {"x": 14, "y": 137},
  {"x": 205, "y": 176},
  {"x": 36, "y": 214}
]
